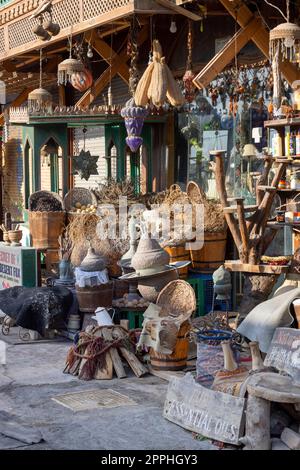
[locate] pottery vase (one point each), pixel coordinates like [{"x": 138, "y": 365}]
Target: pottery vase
[{"x": 15, "y": 237}]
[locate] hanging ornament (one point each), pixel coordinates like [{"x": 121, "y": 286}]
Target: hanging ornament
[
  {"x": 68, "y": 67},
  {"x": 40, "y": 100},
  {"x": 132, "y": 51},
  {"x": 189, "y": 87},
  {"x": 81, "y": 81},
  {"x": 85, "y": 164},
  {"x": 90, "y": 53},
  {"x": 173, "y": 27},
  {"x": 134, "y": 119}
]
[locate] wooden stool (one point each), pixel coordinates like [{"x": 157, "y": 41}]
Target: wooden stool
[{"x": 264, "y": 388}]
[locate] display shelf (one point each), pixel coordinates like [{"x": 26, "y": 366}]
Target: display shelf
[
  {"x": 282, "y": 224},
  {"x": 239, "y": 267},
  {"x": 295, "y": 121}
]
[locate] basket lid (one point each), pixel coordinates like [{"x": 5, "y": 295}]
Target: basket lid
[{"x": 178, "y": 299}]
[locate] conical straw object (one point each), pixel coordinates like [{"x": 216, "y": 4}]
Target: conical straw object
[
  {"x": 229, "y": 362},
  {"x": 257, "y": 362}
]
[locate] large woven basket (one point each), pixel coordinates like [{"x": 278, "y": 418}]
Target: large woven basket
[
  {"x": 82, "y": 195},
  {"x": 178, "y": 299},
  {"x": 34, "y": 199}
]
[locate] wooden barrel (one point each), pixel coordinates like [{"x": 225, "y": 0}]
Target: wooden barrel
[
  {"x": 212, "y": 254},
  {"x": 178, "y": 359},
  {"x": 90, "y": 298},
  {"x": 179, "y": 253},
  {"x": 45, "y": 228}
]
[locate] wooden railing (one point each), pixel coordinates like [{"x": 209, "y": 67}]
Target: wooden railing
[{"x": 73, "y": 16}]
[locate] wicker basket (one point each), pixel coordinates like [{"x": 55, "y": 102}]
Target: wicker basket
[
  {"x": 82, "y": 195},
  {"x": 195, "y": 193},
  {"x": 34, "y": 199},
  {"x": 178, "y": 298}
]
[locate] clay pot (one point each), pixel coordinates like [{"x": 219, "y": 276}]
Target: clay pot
[
  {"x": 92, "y": 262},
  {"x": 149, "y": 255},
  {"x": 6, "y": 239},
  {"x": 151, "y": 287},
  {"x": 15, "y": 237}
]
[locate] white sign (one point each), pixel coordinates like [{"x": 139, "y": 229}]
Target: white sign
[{"x": 216, "y": 415}]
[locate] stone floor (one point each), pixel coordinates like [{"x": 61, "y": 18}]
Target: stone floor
[{"x": 33, "y": 375}]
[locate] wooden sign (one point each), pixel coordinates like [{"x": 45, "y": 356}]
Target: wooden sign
[
  {"x": 18, "y": 266},
  {"x": 216, "y": 415},
  {"x": 284, "y": 352}
]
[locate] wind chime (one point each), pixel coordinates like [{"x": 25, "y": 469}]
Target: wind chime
[
  {"x": 189, "y": 87},
  {"x": 40, "y": 100},
  {"x": 133, "y": 115},
  {"x": 284, "y": 46}
]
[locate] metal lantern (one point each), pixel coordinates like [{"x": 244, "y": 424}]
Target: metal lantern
[
  {"x": 286, "y": 37},
  {"x": 40, "y": 100},
  {"x": 134, "y": 119},
  {"x": 67, "y": 68}
]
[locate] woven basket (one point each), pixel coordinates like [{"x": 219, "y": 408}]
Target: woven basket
[
  {"x": 82, "y": 195},
  {"x": 35, "y": 197},
  {"x": 195, "y": 193},
  {"x": 177, "y": 298}
]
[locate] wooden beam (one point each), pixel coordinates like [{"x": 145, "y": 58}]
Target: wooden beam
[
  {"x": 226, "y": 55},
  {"x": 101, "y": 82},
  {"x": 243, "y": 15},
  {"x": 179, "y": 10},
  {"x": 108, "y": 54}
]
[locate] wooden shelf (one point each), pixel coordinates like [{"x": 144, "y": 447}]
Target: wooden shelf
[
  {"x": 238, "y": 267},
  {"x": 233, "y": 209},
  {"x": 283, "y": 224},
  {"x": 295, "y": 121}
]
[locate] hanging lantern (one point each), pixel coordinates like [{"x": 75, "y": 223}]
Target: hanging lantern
[
  {"x": 40, "y": 100},
  {"x": 81, "y": 81},
  {"x": 134, "y": 119},
  {"x": 286, "y": 36},
  {"x": 67, "y": 68}
]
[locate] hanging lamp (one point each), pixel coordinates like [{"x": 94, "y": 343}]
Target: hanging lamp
[
  {"x": 68, "y": 67},
  {"x": 40, "y": 99},
  {"x": 285, "y": 39}
]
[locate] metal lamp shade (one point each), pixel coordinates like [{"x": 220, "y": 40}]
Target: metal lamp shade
[
  {"x": 66, "y": 70},
  {"x": 287, "y": 36},
  {"x": 40, "y": 100}
]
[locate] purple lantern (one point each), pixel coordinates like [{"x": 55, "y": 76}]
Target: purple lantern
[{"x": 134, "y": 119}]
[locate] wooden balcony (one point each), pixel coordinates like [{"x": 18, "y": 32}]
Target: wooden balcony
[{"x": 73, "y": 16}]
